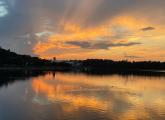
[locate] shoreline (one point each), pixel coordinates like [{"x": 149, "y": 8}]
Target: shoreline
[
  {"x": 47, "y": 68},
  {"x": 101, "y": 71}
]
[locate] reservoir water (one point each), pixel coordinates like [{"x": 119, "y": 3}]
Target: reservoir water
[{"x": 78, "y": 96}]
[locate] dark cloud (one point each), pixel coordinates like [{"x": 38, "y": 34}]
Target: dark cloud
[
  {"x": 132, "y": 57},
  {"x": 80, "y": 44},
  {"x": 100, "y": 45},
  {"x": 147, "y": 29}
]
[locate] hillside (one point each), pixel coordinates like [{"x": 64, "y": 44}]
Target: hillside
[{"x": 8, "y": 58}]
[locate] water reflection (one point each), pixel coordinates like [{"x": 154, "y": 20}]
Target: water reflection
[{"x": 85, "y": 97}]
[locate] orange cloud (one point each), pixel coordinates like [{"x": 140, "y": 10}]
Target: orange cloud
[{"x": 123, "y": 28}]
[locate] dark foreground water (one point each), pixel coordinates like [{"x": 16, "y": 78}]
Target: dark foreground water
[{"x": 69, "y": 96}]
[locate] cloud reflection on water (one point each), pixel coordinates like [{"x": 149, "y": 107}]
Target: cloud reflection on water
[{"x": 114, "y": 97}]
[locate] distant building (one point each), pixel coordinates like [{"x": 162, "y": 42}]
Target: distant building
[{"x": 54, "y": 59}]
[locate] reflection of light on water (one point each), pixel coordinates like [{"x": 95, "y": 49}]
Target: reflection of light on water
[
  {"x": 58, "y": 93},
  {"x": 108, "y": 94},
  {"x": 40, "y": 101}
]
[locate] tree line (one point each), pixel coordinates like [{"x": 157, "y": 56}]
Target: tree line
[{"x": 8, "y": 58}]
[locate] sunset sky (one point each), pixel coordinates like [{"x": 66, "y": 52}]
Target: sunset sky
[{"x": 82, "y": 29}]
